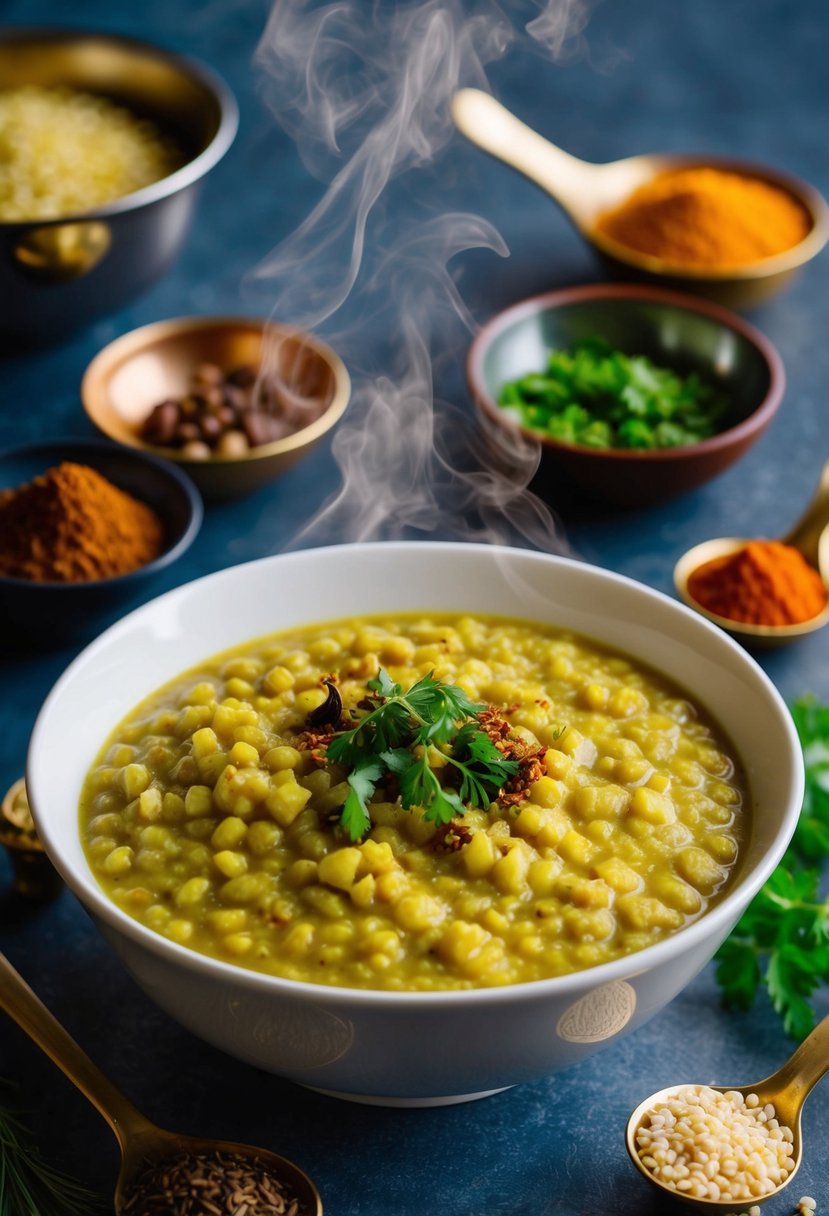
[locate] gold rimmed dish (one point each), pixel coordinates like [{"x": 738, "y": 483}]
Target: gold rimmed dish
[
  {"x": 131, "y": 375},
  {"x": 810, "y": 536}
]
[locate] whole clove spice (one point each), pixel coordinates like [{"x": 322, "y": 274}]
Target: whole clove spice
[{"x": 210, "y": 1184}]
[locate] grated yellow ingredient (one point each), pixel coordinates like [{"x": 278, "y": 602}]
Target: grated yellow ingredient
[{"x": 64, "y": 152}]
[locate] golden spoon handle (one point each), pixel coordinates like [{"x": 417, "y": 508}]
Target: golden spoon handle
[
  {"x": 802, "y": 1071},
  {"x": 32, "y": 1016},
  {"x": 805, "y": 534},
  {"x": 487, "y": 123}
]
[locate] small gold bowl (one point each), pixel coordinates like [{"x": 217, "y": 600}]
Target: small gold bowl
[
  {"x": 134, "y": 373},
  {"x": 753, "y": 637},
  {"x": 34, "y": 875}
]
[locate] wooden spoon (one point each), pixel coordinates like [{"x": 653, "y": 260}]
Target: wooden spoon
[{"x": 584, "y": 190}]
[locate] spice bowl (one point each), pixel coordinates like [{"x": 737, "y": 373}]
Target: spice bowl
[
  {"x": 805, "y": 551},
  {"x": 56, "y": 611},
  {"x": 410, "y": 1047},
  {"x": 61, "y": 270},
  {"x": 755, "y": 637},
  {"x": 683, "y": 333},
  {"x": 589, "y": 192},
  {"x": 137, "y": 372}
]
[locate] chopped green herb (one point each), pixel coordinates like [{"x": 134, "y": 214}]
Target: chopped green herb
[
  {"x": 781, "y": 941},
  {"x": 401, "y": 735},
  {"x": 599, "y": 397}
]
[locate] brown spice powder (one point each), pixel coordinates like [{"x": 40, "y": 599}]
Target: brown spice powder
[{"x": 72, "y": 525}]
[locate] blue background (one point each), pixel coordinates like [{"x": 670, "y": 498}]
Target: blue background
[{"x": 746, "y": 77}]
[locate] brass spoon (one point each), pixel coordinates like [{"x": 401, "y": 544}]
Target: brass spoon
[
  {"x": 787, "y": 1090},
  {"x": 139, "y": 1139},
  {"x": 810, "y": 535},
  {"x": 584, "y": 190}
]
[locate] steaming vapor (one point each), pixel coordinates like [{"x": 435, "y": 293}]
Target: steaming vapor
[{"x": 364, "y": 89}]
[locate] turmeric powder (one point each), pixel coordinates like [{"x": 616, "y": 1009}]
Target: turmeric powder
[
  {"x": 72, "y": 525},
  {"x": 707, "y": 218},
  {"x": 766, "y": 582}
]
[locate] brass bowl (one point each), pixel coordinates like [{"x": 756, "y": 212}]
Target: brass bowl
[
  {"x": 754, "y": 637},
  {"x": 58, "y": 274},
  {"x": 138, "y": 370}
]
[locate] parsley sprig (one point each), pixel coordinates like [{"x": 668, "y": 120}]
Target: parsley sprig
[
  {"x": 418, "y": 737},
  {"x": 781, "y": 941}
]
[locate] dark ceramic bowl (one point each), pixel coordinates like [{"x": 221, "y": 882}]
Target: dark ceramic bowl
[
  {"x": 674, "y": 330},
  {"x": 58, "y": 612}
]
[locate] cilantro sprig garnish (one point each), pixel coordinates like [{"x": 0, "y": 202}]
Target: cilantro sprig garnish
[
  {"x": 781, "y": 941},
  {"x": 428, "y": 739}
]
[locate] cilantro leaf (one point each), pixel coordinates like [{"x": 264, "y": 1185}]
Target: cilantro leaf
[
  {"x": 484, "y": 769},
  {"x": 781, "y": 942},
  {"x": 396, "y": 738},
  {"x": 362, "y": 781},
  {"x": 738, "y": 974}
]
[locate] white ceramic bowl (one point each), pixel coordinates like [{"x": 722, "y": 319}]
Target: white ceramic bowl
[{"x": 388, "y": 1047}]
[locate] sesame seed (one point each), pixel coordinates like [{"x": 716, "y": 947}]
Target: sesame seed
[{"x": 716, "y": 1146}]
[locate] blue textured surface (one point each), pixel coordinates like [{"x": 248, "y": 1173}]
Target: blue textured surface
[{"x": 746, "y": 77}]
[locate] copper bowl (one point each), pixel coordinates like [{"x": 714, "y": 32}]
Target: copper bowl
[{"x": 138, "y": 370}]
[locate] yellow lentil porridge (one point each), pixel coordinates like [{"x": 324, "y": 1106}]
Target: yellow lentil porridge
[{"x": 212, "y": 815}]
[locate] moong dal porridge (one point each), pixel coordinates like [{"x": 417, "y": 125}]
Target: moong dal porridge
[{"x": 214, "y": 817}]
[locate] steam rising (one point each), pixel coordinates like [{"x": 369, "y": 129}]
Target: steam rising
[{"x": 364, "y": 89}]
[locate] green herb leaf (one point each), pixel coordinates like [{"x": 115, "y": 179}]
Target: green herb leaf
[
  {"x": 484, "y": 769},
  {"x": 598, "y": 397},
  {"x": 781, "y": 941},
  {"x": 396, "y": 739},
  {"x": 362, "y": 781}
]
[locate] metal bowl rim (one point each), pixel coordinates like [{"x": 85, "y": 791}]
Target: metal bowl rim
[{"x": 189, "y": 173}]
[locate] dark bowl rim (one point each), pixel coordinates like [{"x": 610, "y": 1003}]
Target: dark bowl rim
[
  {"x": 179, "y": 483},
  {"x": 188, "y": 173},
  {"x": 747, "y": 428}
]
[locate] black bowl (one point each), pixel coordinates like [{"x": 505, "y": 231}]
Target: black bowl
[{"x": 55, "y": 611}]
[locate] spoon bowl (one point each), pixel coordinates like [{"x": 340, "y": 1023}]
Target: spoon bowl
[
  {"x": 786, "y": 1089},
  {"x": 141, "y": 1142},
  {"x": 810, "y": 535},
  {"x": 585, "y": 190}
]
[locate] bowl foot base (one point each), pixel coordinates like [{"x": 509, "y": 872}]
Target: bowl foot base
[{"x": 381, "y": 1100}]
